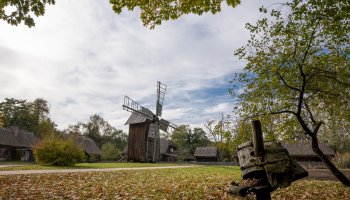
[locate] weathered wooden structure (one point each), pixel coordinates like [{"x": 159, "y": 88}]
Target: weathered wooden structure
[
  {"x": 144, "y": 125},
  {"x": 92, "y": 151},
  {"x": 16, "y": 144},
  {"x": 301, "y": 151},
  {"x": 206, "y": 154},
  {"x": 168, "y": 150},
  {"x": 265, "y": 166}
]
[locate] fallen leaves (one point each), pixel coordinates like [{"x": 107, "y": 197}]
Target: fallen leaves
[{"x": 189, "y": 183}]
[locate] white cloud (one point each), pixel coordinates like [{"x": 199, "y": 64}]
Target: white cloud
[
  {"x": 219, "y": 108},
  {"x": 83, "y": 58}
]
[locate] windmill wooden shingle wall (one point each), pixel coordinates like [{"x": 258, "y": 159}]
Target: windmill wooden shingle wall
[{"x": 137, "y": 142}]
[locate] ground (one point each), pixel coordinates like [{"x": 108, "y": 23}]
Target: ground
[
  {"x": 324, "y": 174},
  {"x": 198, "y": 182}
]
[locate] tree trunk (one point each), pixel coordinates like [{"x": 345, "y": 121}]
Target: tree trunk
[{"x": 335, "y": 171}]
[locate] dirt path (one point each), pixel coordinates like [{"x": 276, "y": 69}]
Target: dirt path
[{"x": 86, "y": 170}]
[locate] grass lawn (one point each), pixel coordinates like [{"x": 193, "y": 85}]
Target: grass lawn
[
  {"x": 191, "y": 183},
  {"x": 32, "y": 166}
]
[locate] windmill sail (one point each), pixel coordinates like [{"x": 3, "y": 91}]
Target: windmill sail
[
  {"x": 133, "y": 106},
  {"x": 161, "y": 88}
]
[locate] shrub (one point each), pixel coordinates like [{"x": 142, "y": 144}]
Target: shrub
[
  {"x": 110, "y": 152},
  {"x": 58, "y": 151},
  {"x": 342, "y": 160}
]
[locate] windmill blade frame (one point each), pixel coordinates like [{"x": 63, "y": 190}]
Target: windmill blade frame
[
  {"x": 132, "y": 106},
  {"x": 165, "y": 124},
  {"x": 161, "y": 89}
]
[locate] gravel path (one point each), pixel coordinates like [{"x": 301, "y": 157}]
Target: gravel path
[{"x": 85, "y": 170}]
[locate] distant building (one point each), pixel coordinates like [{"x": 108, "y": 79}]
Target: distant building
[
  {"x": 16, "y": 144},
  {"x": 168, "y": 150},
  {"x": 302, "y": 153},
  {"x": 92, "y": 151},
  {"x": 206, "y": 154}
]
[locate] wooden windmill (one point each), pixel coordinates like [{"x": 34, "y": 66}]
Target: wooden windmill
[{"x": 144, "y": 125}]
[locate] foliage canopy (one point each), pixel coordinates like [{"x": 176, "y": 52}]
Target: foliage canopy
[
  {"x": 15, "y": 12},
  {"x": 298, "y": 67},
  {"x": 58, "y": 151},
  {"x": 30, "y": 116},
  {"x": 154, "y": 12}
]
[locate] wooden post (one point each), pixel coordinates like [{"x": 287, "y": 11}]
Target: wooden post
[{"x": 258, "y": 142}]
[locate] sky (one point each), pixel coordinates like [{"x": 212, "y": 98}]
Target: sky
[{"x": 83, "y": 59}]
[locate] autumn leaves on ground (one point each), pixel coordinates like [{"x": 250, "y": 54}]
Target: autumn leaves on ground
[{"x": 202, "y": 182}]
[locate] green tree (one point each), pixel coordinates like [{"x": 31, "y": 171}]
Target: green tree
[
  {"x": 41, "y": 123},
  {"x": 15, "y": 112},
  {"x": 110, "y": 152},
  {"x": 188, "y": 140},
  {"x": 335, "y": 132},
  {"x": 30, "y": 116},
  {"x": 100, "y": 131},
  {"x": 179, "y": 137},
  {"x": 15, "y": 12},
  {"x": 298, "y": 67},
  {"x": 222, "y": 132},
  {"x": 58, "y": 151},
  {"x": 197, "y": 138},
  {"x": 154, "y": 12}
]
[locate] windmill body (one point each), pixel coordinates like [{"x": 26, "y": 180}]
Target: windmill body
[{"x": 144, "y": 125}]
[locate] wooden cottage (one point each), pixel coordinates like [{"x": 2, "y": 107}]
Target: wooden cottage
[
  {"x": 168, "y": 150},
  {"x": 16, "y": 144},
  {"x": 92, "y": 151},
  {"x": 302, "y": 152},
  {"x": 142, "y": 140},
  {"x": 206, "y": 154}
]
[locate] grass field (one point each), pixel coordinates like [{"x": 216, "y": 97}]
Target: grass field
[
  {"x": 29, "y": 166},
  {"x": 191, "y": 183}
]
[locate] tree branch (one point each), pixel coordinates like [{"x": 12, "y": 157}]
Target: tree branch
[
  {"x": 285, "y": 82},
  {"x": 310, "y": 113}
]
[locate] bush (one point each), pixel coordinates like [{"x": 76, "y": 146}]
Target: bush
[
  {"x": 58, "y": 151},
  {"x": 110, "y": 152},
  {"x": 342, "y": 160}
]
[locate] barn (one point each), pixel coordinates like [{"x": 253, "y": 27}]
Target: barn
[
  {"x": 206, "y": 154},
  {"x": 16, "y": 144}
]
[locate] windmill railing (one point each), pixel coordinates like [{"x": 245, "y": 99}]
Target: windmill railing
[{"x": 133, "y": 106}]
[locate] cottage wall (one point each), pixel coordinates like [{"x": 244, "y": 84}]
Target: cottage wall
[{"x": 206, "y": 159}]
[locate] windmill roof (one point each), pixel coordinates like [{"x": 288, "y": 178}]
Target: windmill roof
[
  {"x": 16, "y": 137},
  {"x": 304, "y": 148},
  {"x": 206, "y": 152},
  {"x": 87, "y": 144},
  {"x": 136, "y": 119}
]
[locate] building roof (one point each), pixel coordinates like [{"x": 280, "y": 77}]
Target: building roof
[
  {"x": 16, "y": 137},
  {"x": 87, "y": 144},
  {"x": 304, "y": 148},
  {"x": 206, "y": 152},
  {"x": 165, "y": 144},
  {"x": 136, "y": 119}
]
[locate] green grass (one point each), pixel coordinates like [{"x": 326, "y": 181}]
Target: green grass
[
  {"x": 31, "y": 166},
  {"x": 204, "y": 182}
]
